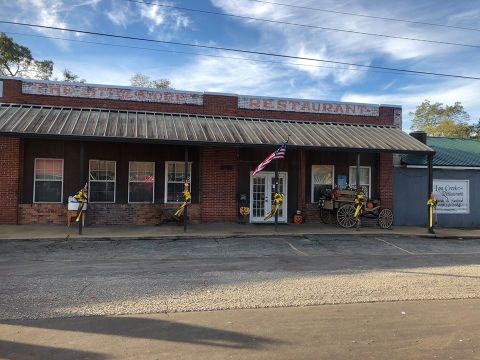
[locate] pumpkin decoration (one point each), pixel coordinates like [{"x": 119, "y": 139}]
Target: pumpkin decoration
[{"x": 369, "y": 205}]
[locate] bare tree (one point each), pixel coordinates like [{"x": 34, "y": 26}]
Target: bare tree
[{"x": 142, "y": 80}]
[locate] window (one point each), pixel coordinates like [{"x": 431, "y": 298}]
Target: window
[
  {"x": 141, "y": 180},
  {"x": 174, "y": 177},
  {"x": 322, "y": 180},
  {"x": 48, "y": 181},
  {"x": 365, "y": 172},
  {"x": 101, "y": 178}
]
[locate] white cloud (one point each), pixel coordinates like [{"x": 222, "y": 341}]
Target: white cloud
[
  {"x": 119, "y": 14},
  {"x": 348, "y": 47},
  {"x": 158, "y": 16}
]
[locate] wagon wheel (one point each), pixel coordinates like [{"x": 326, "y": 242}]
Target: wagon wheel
[
  {"x": 385, "y": 218},
  {"x": 326, "y": 216},
  {"x": 345, "y": 216}
]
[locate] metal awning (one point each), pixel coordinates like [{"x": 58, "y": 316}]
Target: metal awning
[{"x": 138, "y": 126}]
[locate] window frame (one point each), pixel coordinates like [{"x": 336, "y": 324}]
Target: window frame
[
  {"x": 35, "y": 180},
  {"x": 114, "y": 183},
  {"x": 153, "y": 184},
  {"x": 166, "y": 179},
  {"x": 369, "y": 178},
  {"x": 312, "y": 185}
]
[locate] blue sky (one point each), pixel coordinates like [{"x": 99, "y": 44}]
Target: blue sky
[{"x": 298, "y": 79}]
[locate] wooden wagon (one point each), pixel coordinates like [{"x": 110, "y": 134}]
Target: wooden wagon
[
  {"x": 342, "y": 206},
  {"x": 329, "y": 206}
]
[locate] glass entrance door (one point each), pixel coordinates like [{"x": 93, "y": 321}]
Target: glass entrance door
[{"x": 262, "y": 191}]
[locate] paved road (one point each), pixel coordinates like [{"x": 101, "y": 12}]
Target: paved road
[{"x": 45, "y": 279}]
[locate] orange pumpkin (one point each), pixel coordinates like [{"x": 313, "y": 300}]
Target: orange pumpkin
[
  {"x": 369, "y": 205},
  {"x": 297, "y": 219}
]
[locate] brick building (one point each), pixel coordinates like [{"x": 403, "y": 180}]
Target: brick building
[{"x": 130, "y": 144}]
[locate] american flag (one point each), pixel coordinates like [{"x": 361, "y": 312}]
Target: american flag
[{"x": 277, "y": 154}]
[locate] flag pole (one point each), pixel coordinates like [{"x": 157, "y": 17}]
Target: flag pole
[{"x": 276, "y": 192}]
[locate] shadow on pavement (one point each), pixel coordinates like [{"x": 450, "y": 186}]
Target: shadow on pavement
[
  {"x": 153, "y": 329},
  {"x": 22, "y": 351}
]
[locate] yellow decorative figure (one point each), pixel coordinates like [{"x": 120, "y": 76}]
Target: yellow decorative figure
[
  {"x": 360, "y": 201},
  {"x": 81, "y": 197},
  {"x": 432, "y": 204},
  {"x": 277, "y": 203},
  {"x": 187, "y": 196}
]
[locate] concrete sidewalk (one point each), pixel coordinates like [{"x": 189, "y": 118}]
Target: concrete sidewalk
[
  {"x": 393, "y": 330},
  {"x": 214, "y": 231}
]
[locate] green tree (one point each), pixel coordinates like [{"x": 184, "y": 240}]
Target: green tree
[
  {"x": 475, "y": 130},
  {"x": 17, "y": 60},
  {"x": 442, "y": 120},
  {"x": 142, "y": 80}
]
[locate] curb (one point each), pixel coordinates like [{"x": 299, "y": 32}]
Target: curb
[{"x": 234, "y": 236}]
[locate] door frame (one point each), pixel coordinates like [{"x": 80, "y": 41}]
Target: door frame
[{"x": 285, "y": 197}]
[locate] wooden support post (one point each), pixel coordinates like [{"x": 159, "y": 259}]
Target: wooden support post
[
  {"x": 186, "y": 177},
  {"x": 276, "y": 191},
  {"x": 357, "y": 177},
  {"x": 430, "y": 190},
  {"x": 82, "y": 179}
]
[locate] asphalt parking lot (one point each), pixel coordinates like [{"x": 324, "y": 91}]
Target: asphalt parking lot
[{"x": 47, "y": 279}]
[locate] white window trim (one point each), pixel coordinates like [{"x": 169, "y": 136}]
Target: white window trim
[
  {"x": 369, "y": 178},
  {"x": 114, "y": 183},
  {"x": 166, "y": 179},
  {"x": 129, "y": 181},
  {"x": 35, "y": 180},
  {"x": 312, "y": 183}
]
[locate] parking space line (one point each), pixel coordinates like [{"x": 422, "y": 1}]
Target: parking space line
[
  {"x": 398, "y": 247},
  {"x": 295, "y": 249}
]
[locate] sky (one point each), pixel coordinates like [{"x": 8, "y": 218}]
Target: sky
[{"x": 115, "y": 61}]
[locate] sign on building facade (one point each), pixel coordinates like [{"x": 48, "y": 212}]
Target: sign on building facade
[
  {"x": 111, "y": 93},
  {"x": 1, "y": 89},
  {"x": 307, "y": 106},
  {"x": 453, "y": 196}
]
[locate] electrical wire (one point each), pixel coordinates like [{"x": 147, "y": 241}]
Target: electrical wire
[
  {"x": 438, "y": 42},
  {"x": 206, "y": 55},
  {"x": 252, "y": 52},
  {"x": 366, "y": 15}
]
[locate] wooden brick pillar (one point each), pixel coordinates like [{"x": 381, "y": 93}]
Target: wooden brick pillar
[
  {"x": 218, "y": 184},
  {"x": 10, "y": 165},
  {"x": 385, "y": 180},
  {"x": 301, "y": 179}
]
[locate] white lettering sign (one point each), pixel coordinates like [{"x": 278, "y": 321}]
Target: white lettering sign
[
  {"x": 453, "y": 196},
  {"x": 111, "y": 93},
  {"x": 307, "y": 106}
]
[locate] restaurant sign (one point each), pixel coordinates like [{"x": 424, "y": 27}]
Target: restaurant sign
[
  {"x": 307, "y": 106},
  {"x": 452, "y": 196},
  {"x": 79, "y": 90}
]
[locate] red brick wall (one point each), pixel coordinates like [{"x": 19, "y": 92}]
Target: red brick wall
[
  {"x": 385, "y": 180},
  {"x": 311, "y": 213},
  {"x": 100, "y": 214},
  {"x": 10, "y": 164},
  {"x": 218, "y": 184},
  {"x": 225, "y": 105},
  {"x": 42, "y": 214}
]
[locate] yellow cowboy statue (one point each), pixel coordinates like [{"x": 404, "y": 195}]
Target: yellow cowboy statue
[
  {"x": 187, "y": 196},
  {"x": 81, "y": 197}
]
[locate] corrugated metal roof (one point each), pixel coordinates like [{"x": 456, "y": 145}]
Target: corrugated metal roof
[
  {"x": 34, "y": 120},
  {"x": 449, "y": 152}
]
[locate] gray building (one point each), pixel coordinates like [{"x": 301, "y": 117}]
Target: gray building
[{"x": 456, "y": 184}]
